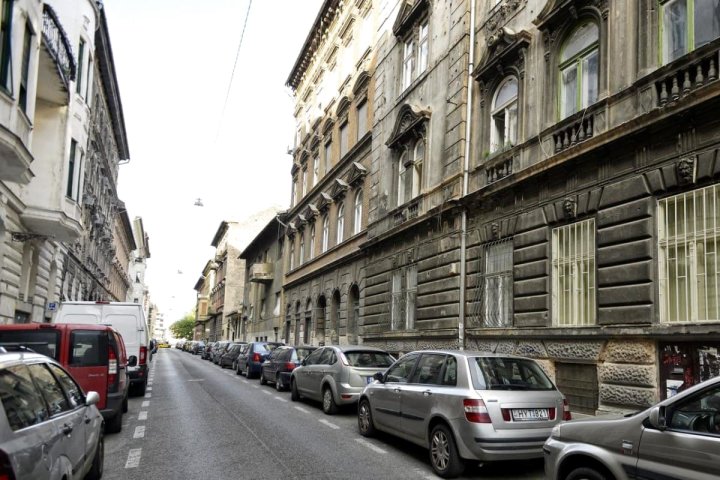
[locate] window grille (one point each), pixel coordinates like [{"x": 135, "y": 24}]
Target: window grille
[
  {"x": 410, "y": 296},
  {"x": 573, "y": 274},
  {"x": 497, "y": 284},
  {"x": 688, "y": 231},
  {"x": 398, "y": 306}
]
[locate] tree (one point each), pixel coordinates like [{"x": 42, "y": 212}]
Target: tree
[{"x": 184, "y": 328}]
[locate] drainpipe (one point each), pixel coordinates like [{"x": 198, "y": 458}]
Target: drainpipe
[{"x": 466, "y": 174}]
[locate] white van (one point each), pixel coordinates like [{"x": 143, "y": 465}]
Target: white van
[{"x": 128, "y": 319}]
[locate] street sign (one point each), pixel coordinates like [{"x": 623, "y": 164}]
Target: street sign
[{"x": 52, "y": 306}]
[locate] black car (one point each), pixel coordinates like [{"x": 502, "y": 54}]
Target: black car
[
  {"x": 207, "y": 353},
  {"x": 251, "y": 359},
  {"x": 219, "y": 348},
  {"x": 197, "y": 348},
  {"x": 281, "y": 362},
  {"x": 228, "y": 358}
]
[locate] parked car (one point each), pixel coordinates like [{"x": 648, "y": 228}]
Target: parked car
[
  {"x": 219, "y": 350},
  {"x": 278, "y": 366},
  {"x": 464, "y": 405},
  {"x": 207, "y": 353},
  {"x": 128, "y": 319},
  {"x": 336, "y": 375},
  {"x": 93, "y": 354},
  {"x": 250, "y": 360},
  {"x": 197, "y": 348},
  {"x": 49, "y": 428},
  {"x": 164, "y": 344},
  {"x": 179, "y": 344},
  {"x": 228, "y": 358},
  {"x": 677, "y": 438}
]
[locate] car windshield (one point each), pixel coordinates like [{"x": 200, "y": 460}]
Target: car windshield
[
  {"x": 369, "y": 359},
  {"x": 508, "y": 373}
]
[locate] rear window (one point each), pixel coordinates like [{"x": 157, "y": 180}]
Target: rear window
[
  {"x": 88, "y": 348},
  {"x": 40, "y": 341},
  {"x": 266, "y": 347},
  {"x": 369, "y": 359},
  {"x": 499, "y": 373}
]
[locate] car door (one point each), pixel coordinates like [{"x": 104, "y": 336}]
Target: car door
[
  {"x": 690, "y": 446},
  {"x": 385, "y": 398},
  {"x": 69, "y": 421},
  {"x": 304, "y": 375},
  {"x": 88, "y": 361},
  {"x": 421, "y": 391},
  {"x": 323, "y": 368}
]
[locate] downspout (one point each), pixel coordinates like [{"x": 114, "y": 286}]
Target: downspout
[{"x": 466, "y": 174}]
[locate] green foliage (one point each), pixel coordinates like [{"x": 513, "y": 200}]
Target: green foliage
[{"x": 184, "y": 328}]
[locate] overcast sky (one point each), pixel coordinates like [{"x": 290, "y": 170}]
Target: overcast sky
[{"x": 174, "y": 60}]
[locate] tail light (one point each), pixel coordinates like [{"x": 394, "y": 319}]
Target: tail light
[
  {"x": 505, "y": 414},
  {"x": 112, "y": 370},
  {"x": 290, "y": 366},
  {"x": 256, "y": 357},
  {"x": 566, "y": 410},
  {"x": 6, "y": 471},
  {"x": 476, "y": 411},
  {"x": 551, "y": 413},
  {"x": 143, "y": 356}
]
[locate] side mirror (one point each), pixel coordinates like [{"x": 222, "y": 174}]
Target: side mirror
[
  {"x": 303, "y": 363},
  {"x": 92, "y": 398},
  {"x": 379, "y": 376},
  {"x": 657, "y": 418},
  {"x": 132, "y": 361}
]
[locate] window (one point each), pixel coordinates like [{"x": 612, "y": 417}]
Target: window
[
  {"x": 697, "y": 413},
  {"x": 429, "y": 369},
  {"x": 344, "y": 139},
  {"x": 80, "y": 65},
  {"x": 357, "y": 218},
  {"x": 340, "y": 223},
  {"x": 276, "y": 309},
  {"x": 410, "y": 168},
  {"x": 6, "y": 45},
  {"x": 328, "y": 156},
  {"x": 292, "y": 255},
  {"x": 410, "y": 295},
  {"x": 23, "y": 403},
  {"x": 400, "y": 372},
  {"x": 497, "y": 285},
  {"x": 88, "y": 348},
  {"x": 504, "y": 116},
  {"x": 304, "y": 182},
  {"x": 415, "y": 54},
  {"x": 689, "y": 269},
  {"x": 686, "y": 25},
  {"x": 362, "y": 120},
  {"x": 41, "y": 341},
  {"x": 73, "y": 179},
  {"x": 404, "y": 296},
  {"x": 316, "y": 169},
  {"x": 397, "y": 306},
  {"x": 49, "y": 388},
  {"x": 579, "y": 69},
  {"x": 292, "y": 192},
  {"x": 312, "y": 241},
  {"x": 73, "y": 391},
  {"x": 302, "y": 249},
  {"x": 25, "y": 68},
  {"x": 573, "y": 274},
  {"x": 325, "y": 233}
]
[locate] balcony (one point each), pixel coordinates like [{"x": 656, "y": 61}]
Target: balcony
[
  {"x": 261, "y": 272},
  {"x": 57, "y": 64},
  {"x": 62, "y": 224},
  {"x": 15, "y": 158}
]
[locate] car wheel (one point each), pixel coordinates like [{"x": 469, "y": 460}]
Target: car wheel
[
  {"x": 115, "y": 423},
  {"x": 294, "y": 394},
  {"x": 278, "y": 383},
  {"x": 248, "y": 374},
  {"x": 444, "y": 456},
  {"x": 263, "y": 380},
  {"x": 237, "y": 370},
  {"x": 585, "y": 473},
  {"x": 98, "y": 464},
  {"x": 365, "y": 421},
  {"x": 328, "y": 402}
]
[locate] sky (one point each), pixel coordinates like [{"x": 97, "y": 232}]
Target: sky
[{"x": 174, "y": 60}]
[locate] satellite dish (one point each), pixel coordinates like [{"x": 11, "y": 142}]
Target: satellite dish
[{"x": 198, "y": 203}]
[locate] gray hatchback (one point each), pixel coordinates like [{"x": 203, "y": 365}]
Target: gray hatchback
[
  {"x": 679, "y": 438},
  {"x": 464, "y": 405}
]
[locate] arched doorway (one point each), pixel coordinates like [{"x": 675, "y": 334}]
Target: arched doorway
[
  {"x": 335, "y": 318},
  {"x": 320, "y": 320},
  {"x": 353, "y": 314}
]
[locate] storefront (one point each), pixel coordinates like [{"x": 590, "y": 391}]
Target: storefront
[{"x": 684, "y": 364}]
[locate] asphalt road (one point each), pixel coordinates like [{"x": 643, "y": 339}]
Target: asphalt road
[{"x": 198, "y": 421}]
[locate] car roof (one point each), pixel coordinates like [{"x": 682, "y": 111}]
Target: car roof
[
  {"x": 470, "y": 353},
  {"x": 14, "y": 358},
  {"x": 357, "y": 348},
  {"x": 56, "y": 326}
]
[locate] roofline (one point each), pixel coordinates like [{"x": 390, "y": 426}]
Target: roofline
[{"x": 256, "y": 241}]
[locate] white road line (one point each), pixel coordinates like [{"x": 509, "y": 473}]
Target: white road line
[
  {"x": 423, "y": 474},
  {"x": 139, "y": 431},
  {"x": 266, "y": 392},
  {"x": 328, "y": 423},
  {"x": 280, "y": 399},
  {"x": 148, "y": 389},
  {"x": 301, "y": 409},
  {"x": 148, "y": 395},
  {"x": 149, "y": 383},
  {"x": 142, "y": 415},
  {"x": 256, "y": 386},
  {"x": 133, "y": 459},
  {"x": 369, "y": 445}
]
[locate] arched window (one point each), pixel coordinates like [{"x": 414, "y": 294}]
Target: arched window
[
  {"x": 410, "y": 169},
  {"x": 403, "y": 191},
  {"x": 302, "y": 249},
  {"x": 357, "y": 219},
  {"x": 418, "y": 167},
  {"x": 292, "y": 255},
  {"x": 311, "y": 253},
  {"x": 504, "y": 118},
  {"x": 325, "y": 233},
  {"x": 579, "y": 65},
  {"x": 340, "y": 224}
]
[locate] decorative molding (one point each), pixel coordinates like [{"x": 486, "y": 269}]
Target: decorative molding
[
  {"x": 686, "y": 168},
  {"x": 506, "y": 51},
  {"x": 339, "y": 188},
  {"x": 411, "y": 123},
  {"x": 356, "y": 175},
  {"x": 569, "y": 208},
  {"x": 324, "y": 202},
  {"x": 410, "y": 12},
  {"x": 310, "y": 213}
]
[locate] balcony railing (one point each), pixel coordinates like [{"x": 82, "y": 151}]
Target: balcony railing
[
  {"x": 687, "y": 77},
  {"x": 261, "y": 272},
  {"x": 574, "y": 133},
  {"x": 58, "y": 45}
]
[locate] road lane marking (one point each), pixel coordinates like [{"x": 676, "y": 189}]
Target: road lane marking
[
  {"x": 149, "y": 383},
  {"x": 266, "y": 392},
  {"x": 145, "y": 404},
  {"x": 148, "y": 389},
  {"x": 142, "y": 415},
  {"x": 328, "y": 423},
  {"x": 369, "y": 445},
  {"x": 148, "y": 395},
  {"x": 256, "y": 386},
  {"x": 280, "y": 399},
  {"x": 196, "y": 380},
  {"x": 133, "y": 459},
  {"x": 301, "y": 409},
  {"x": 139, "y": 431}
]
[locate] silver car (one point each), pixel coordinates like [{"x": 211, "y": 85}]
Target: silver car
[
  {"x": 679, "y": 438},
  {"x": 49, "y": 429},
  {"x": 335, "y": 375},
  {"x": 464, "y": 405}
]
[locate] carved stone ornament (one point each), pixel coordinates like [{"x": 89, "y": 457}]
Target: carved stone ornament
[
  {"x": 495, "y": 231},
  {"x": 411, "y": 122},
  {"x": 569, "y": 207},
  {"x": 686, "y": 169}
]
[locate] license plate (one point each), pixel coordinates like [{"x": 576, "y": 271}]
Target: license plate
[{"x": 529, "y": 414}]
